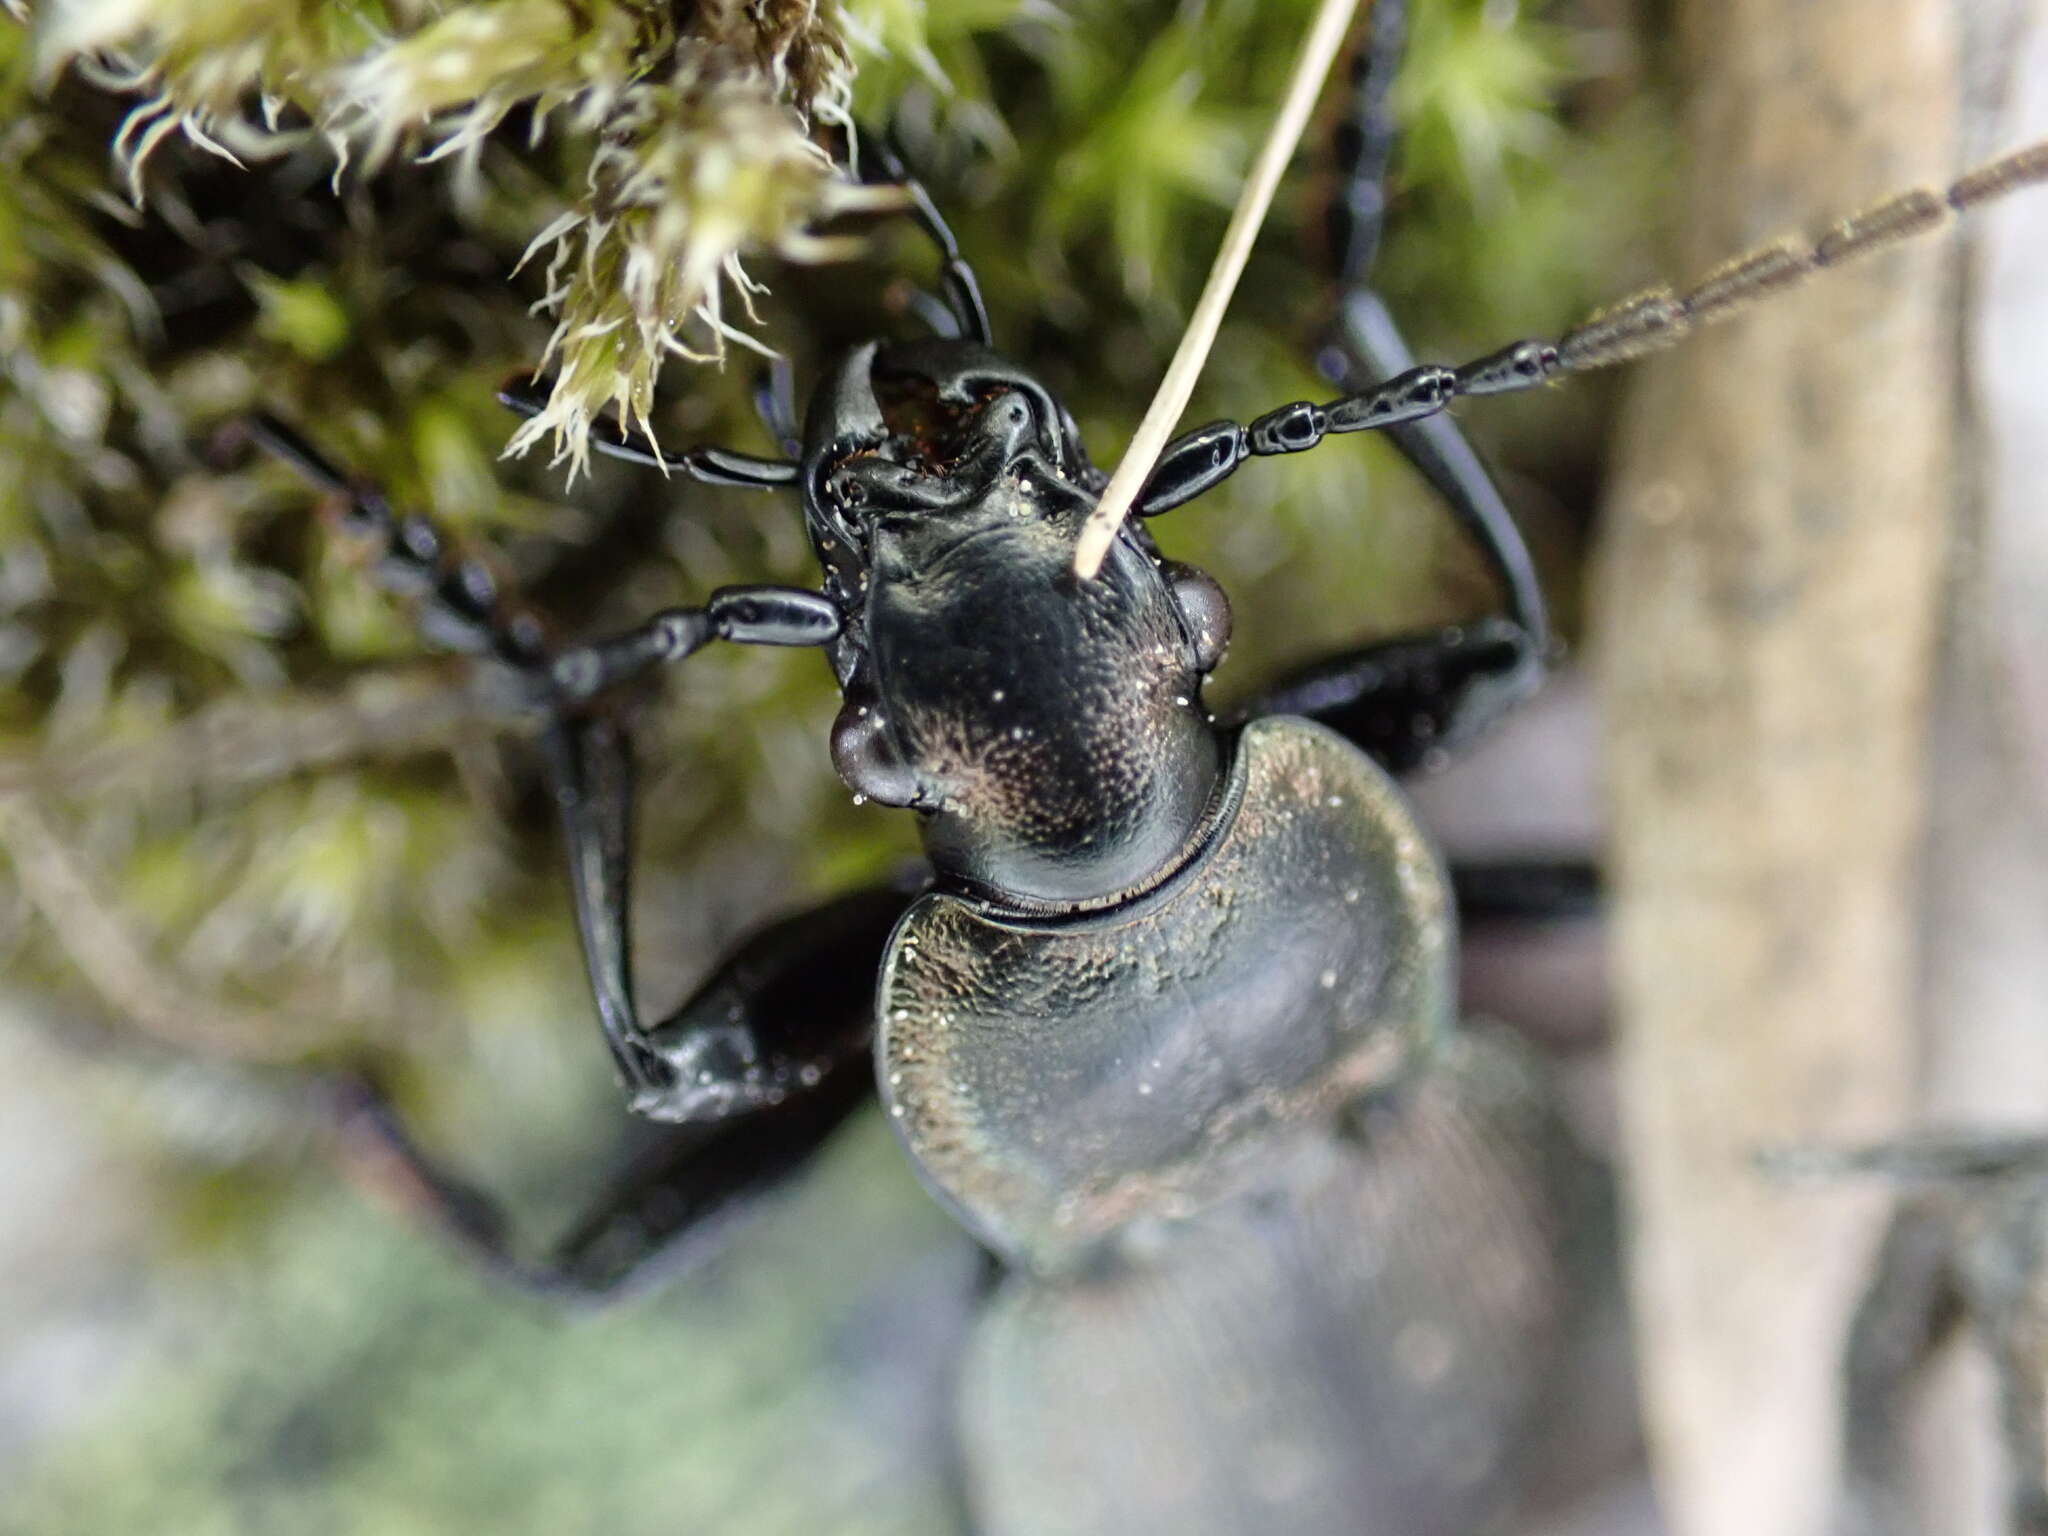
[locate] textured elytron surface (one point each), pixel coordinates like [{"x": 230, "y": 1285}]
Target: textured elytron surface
[
  {"x": 1058, "y": 1081},
  {"x": 1353, "y": 1350}
]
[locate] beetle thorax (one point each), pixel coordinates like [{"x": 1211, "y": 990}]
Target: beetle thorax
[{"x": 1054, "y": 726}]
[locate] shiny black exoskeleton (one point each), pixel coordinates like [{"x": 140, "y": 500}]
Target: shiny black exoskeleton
[
  {"x": 1048, "y": 730},
  {"x": 1169, "y": 1027}
]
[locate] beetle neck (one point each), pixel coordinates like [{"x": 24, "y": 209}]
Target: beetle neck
[{"x": 1209, "y": 783}]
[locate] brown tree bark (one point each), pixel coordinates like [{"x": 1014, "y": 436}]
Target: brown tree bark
[{"x": 1768, "y": 599}]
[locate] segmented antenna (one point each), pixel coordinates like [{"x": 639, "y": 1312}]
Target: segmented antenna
[
  {"x": 461, "y": 604},
  {"x": 1659, "y": 318},
  {"x": 1928, "y": 1156}
]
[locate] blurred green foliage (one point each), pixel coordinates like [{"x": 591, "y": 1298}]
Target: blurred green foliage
[{"x": 405, "y": 901}]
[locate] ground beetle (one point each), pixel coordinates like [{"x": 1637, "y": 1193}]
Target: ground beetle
[{"x": 1170, "y": 1027}]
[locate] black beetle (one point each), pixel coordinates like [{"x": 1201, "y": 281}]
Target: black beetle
[
  {"x": 1171, "y": 1027},
  {"x": 1169, "y": 1030}
]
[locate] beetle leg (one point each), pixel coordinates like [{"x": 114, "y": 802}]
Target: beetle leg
[
  {"x": 1367, "y": 346},
  {"x": 1405, "y": 700},
  {"x": 589, "y": 763},
  {"x": 679, "y": 1202},
  {"x": 1910, "y": 1308},
  {"x": 1363, "y": 146},
  {"x": 1532, "y": 949},
  {"x": 1650, "y": 322},
  {"x": 587, "y": 756},
  {"x": 2000, "y": 1272},
  {"x": 791, "y": 1007},
  {"x": 1961, "y": 1159},
  {"x": 2002, "y": 1279},
  {"x": 672, "y": 1205},
  {"x": 1531, "y": 890},
  {"x": 590, "y": 773},
  {"x": 775, "y": 404},
  {"x": 379, "y": 1153},
  {"x": 588, "y": 760},
  {"x": 1408, "y": 700},
  {"x": 783, "y": 1025},
  {"x": 1965, "y": 1248},
  {"x": 881, "y": 162}
]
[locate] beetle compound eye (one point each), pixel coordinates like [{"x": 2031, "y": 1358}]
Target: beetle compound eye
[
  {"x": 865, "y": 757},
  {"x": 1204, "y": 611}
]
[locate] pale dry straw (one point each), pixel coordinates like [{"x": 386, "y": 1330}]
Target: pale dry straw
[{"x": 1318, "y": 52}]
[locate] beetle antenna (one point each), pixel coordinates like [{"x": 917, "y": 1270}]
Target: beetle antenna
[
  {"x": 462, "y": 603},
  {"x": 1651, "y": 321},
  {"x": 1658, "y": 318},
  {"x": 1318, "y": 51},
  {"x": 1936, "y": 1157}
]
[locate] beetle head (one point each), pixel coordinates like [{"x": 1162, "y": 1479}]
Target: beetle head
[{"x": 926, "y": 430}]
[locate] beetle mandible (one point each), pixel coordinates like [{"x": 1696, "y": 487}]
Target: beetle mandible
[{"x": 1170, "y": 1029}]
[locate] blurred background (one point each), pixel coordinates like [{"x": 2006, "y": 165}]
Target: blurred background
[{"x": 253, "y": 830}]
